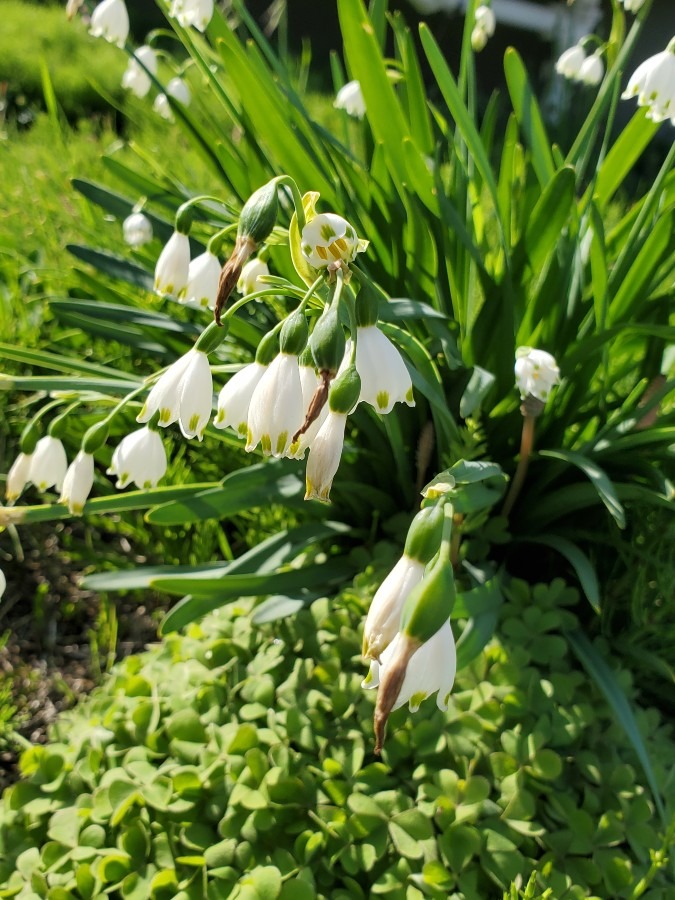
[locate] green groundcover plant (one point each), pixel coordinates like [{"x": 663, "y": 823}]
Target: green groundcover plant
[
  {"x": 231, "y": 762},
  {"x": 361, "y": 292}
]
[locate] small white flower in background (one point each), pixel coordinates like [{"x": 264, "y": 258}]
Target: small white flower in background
[
  {"x": 324, "y": 456},
  {"x": 137, "y": 229},
  {"x": 385, "y": 379},
  {"x": 135, "y": 78},
  {"x": 110, "y": 20},
  {"x": 192, "y": 12},
  {"x": 3, "y": 583},
  {"x": 653, "y": 82},
  {"x": 570, "y": 62},
  {"x": 48, "y": 464},
  {"x": 632, "y": 5},
  {"x": 276, "y": 412},
  {"x": 202, "y": 281},
  {"x": 78, "y": 482},
  {"x": 483, "y": 28},
  {"x": 140, "y": 458},
  {"x": 177, "y": 89},
  {"x": 384, "y": 616},
  {"x": 18, "y": 476},
  {"x": 249, "y": 280},
  {"x": 536, "y": 373},
  {"x": 171, "y": 270},
  {"x": 592, "y": 69},
  {"x": 234, "y": 399},
  {"x": 183, "y": 394},
  {"x": 350, "y": 98},
  {"x": 431, "y": 668},
  {"x": 329, "y": 239}
]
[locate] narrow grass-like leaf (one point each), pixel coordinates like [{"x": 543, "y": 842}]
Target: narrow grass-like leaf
[
  {"x": 120, "y": 206},
  {"x": 607, "y": 682},
  {"x": 579, "y": 562},
  {"x": 114, "y": 266},
  {"x": 598, "y": 479},
  {"x": 548, "y": 218},
  {"x": 644, "y": 264},
  {"x": 623, "y": 155},
  {"x": 479, "y": 384},
  {"x": 529, "y": 116}
]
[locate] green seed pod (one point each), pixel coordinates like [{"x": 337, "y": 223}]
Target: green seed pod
[
  {"x": 95, "y": 437},
  {"x": 268, "y": 348},
  {"x": 184, "y": 218},
  {"x": 29, "y": 438},
  {"x": 424, "y": 534},
  {"x": 259, "y": 215},
  {"x": 367, "y": 305},
  {"x": 430, "y": 603},
  {"x": 328, "y": 341},
  {"x": 294, "y": 332},
  {"x": 212, "y": 336},
  {"x": 344, "y": 391}
]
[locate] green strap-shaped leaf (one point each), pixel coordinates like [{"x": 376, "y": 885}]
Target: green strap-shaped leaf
[
  {"x": 120, "y": 206},
  {"x": 623, "y": 155},
  {"x": 548, "y": 218},
  {"x": 606, "y": 680},
  {"x": 529, "y": 116},
  {"x": 645, "y": 262},
  {"x": 479, "y": 384},
  {"x": 598, "y": 478},
  {"x": 579, "y": 562},
  {"x": 475, "y": 636},
  {"x": 57, "y": 363},
  {"x": 114, "y": 266}
]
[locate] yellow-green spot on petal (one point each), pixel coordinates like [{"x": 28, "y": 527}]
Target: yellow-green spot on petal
[
  {"x": 220, "y": 415},
  {"x": 193, "y": 424},
  {"x": 382, "y": 399},
  {"x": 242, "y": 429},
  {"x": 415, "y": 700},
  {"x": 147, "y": 485},
  {"x": 410, "y": 397},
  {"x": 266, "y": 444},
  {"x": 281, "y": 442},
  {"x": 164, "y": 415},
  {"x": 327, "y": 232}
]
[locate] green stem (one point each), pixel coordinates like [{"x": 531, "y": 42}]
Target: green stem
[
  {"x": 215, "y": 244},
  {"x": 297, "y": 199}
]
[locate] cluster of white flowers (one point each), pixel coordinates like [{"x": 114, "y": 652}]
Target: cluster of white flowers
[
  {"x": 178, "y": 90},
  {"x": 536, "y": 373},
  {"x": 653, "y": 83},
  {"x": 575, "y": 65},
  {"x": 484, "y": 27}
]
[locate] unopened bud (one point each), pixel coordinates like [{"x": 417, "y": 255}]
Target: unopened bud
[
  {"x": 95, "y": 437},
  {"x": 328, "y": 341},
  {"x": 293, "y": 337},
  {"x": 424, "y": 534},
  {"x": 344, "y": 391}
]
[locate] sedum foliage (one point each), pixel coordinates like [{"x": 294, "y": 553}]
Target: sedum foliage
[{"x": 231, "y": 762}]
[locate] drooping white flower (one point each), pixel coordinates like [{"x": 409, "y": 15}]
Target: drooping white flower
[
  {"x": 110, "y": 20},
  {"x": 485, "y": 19},
  {"x": 235, "y": 398},
  {"x": 324, "y": 456},
  {"x": 18, "y": 476},
  {"x": 48, "y": 464},
  {"x": 479, "y": 38},
  {"x": 183, "y": 394},
  {"x": 78, "y": 483},
  {"x": 350, "y": 98},
  {"x": 192, "y": 12},
  {"x": 3, "y": 583},
  {"x": 329, "y": 239},
  {"x": 592, "y": 69},
  {"x": 536, "y": 373},
  {"x": 171, "y": 270},
  {"x": 384, "y": 616},
  {"x": 632, "y": 5},
  {"x": 177, "y": 89},
  {"x": 135, "y": 78},
  {"x": 431, "y": 668},
  {"x": 385, "y": 380},
  {"x": 570, "y": 62},
  {"x": 653, "y": 82},
  {"x": 275, "y": 413},
  {"x": 137, "y": 229},
  {"x": 140, "y": 458},
  {"x": 202, "y": 281},
  {"x": 249, "y": 280}
]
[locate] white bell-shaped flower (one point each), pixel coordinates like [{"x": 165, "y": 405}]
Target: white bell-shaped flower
[
  {"x": 202, "y": 281},
  {"x": 276, "y": 413},
  {"x": 328, "y": 239},
  {"x": 135, "y": 78},
  {"x": 49, "y": 464},
  {"x": 350, "y": 98},
  {"x": 234, "y": 399},
  {"x": 384, "y": 616},
  {"x": 18, "y": 476},
  {"x": 3, "y": 583},
  {"x": 177, "y": 89},
  {"x": 140, "y": 458},
  {"x": 570, "y": 61},
  {"x": 192, "y": 12},
  {"x": 591, "y": 70},
  {"x": 632, "y": 5},
  {"x": 171, "y": 270},
  {"x": 78, "y": 482},
  {"x": 137, "y": 229},
  {"x": 431, "y": 668},
  {"x": 249, "y": 280},
  {"x": 183, "y": 394},
  {"x": 536, "y": 373},
  {"x": 485, "y": 18},
  {"x": 309, "y": 381},
  {"x": 385, "y": 380},
  {"x": 653, "y": 83},
  {"x": 324, "y": 456},
  {"x": 110, "y": 20}
]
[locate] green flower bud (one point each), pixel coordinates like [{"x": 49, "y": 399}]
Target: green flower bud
[
  {"x": 59, "y": 425},
  {"x": 212, "y": 336},
  {"x": 259, "y": 214},
  {"x": 430, "y": 603},
  {"x": 367, "y": 304},
  {"x": 293, "y": 338},
  {"x": 344, "y": 391},
  {"x": 95, "y": 437},
  {"x": 184, "y": 218},
  {"x": 29, "y": 438},
  {"x": 424, "y": 534},
  {"x": 328, "y": 341},
  {"x": 268, "y": 348}
]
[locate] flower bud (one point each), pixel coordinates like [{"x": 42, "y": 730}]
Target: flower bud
[
  {"x": 429, "y": 604},
  {"x": 344, "y": 391},
  {"x": 424, "y": 534},
  {"x": 96, "y": 437},
  {"x": 259, "y": 215},
  {"x": 293, "y": 337},
  {"x": 328, "y": 341}
]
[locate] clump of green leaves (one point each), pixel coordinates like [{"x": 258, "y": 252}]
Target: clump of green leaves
[{"x": 231, "y": 762}]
